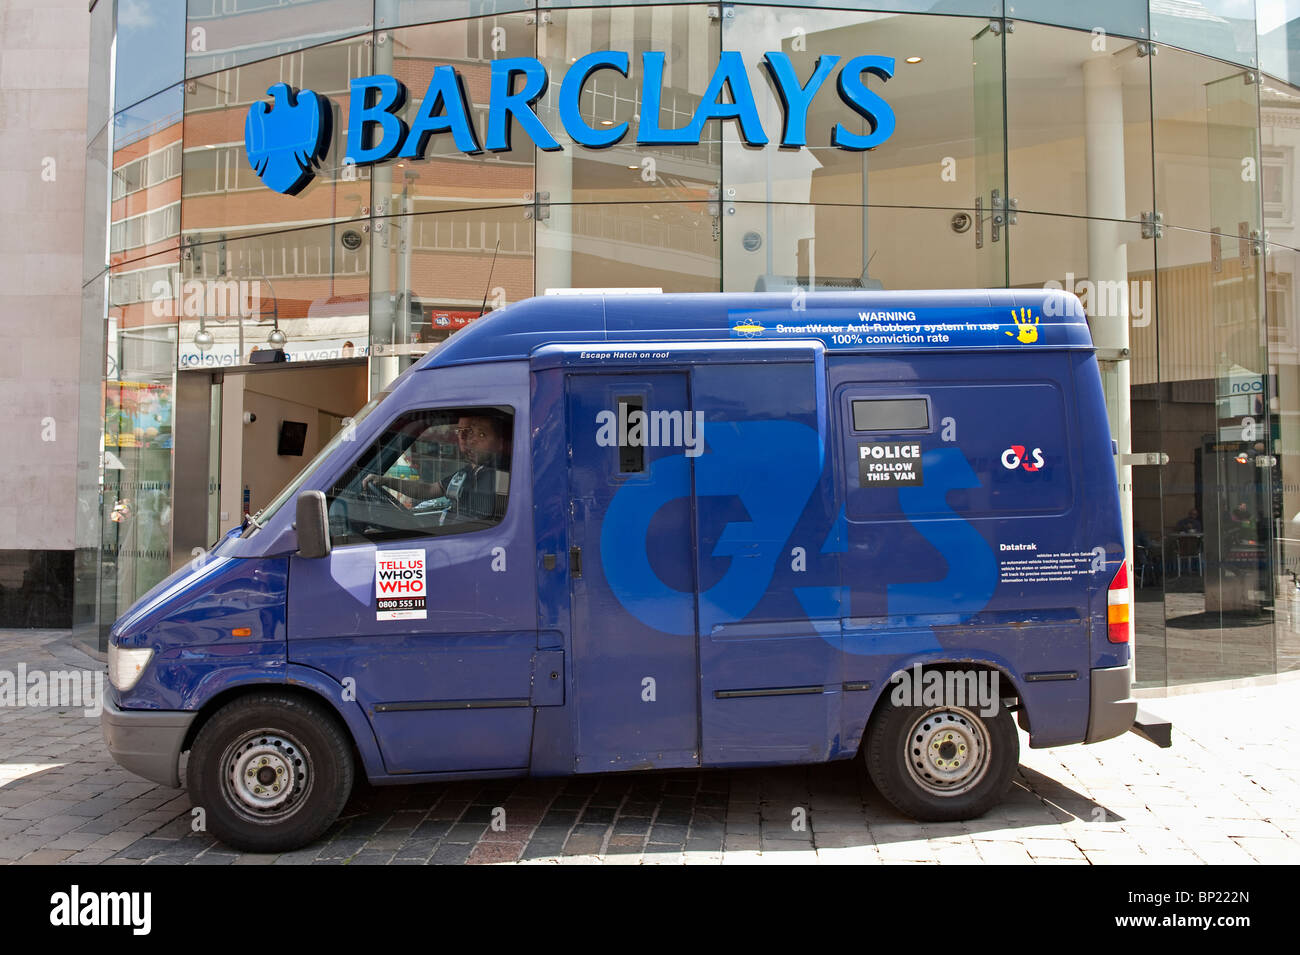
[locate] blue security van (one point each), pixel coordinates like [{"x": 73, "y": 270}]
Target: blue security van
[{"x": 606, "y": 532}]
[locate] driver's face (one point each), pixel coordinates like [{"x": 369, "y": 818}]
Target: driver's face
[{"x": 478, "y": 439}]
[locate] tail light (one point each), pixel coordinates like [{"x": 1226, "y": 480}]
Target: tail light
[{"x": 1117, "y": 606}]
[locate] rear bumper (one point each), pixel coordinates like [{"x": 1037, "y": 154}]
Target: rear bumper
[
  {"x": 1112, "y": 709},
  {"x": 147, "y": 742}
]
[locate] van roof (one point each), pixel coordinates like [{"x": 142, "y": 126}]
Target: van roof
[{"x": 844, "y": 321}]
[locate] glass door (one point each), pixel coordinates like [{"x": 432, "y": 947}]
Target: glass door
[{"x": 990, "y": 225}]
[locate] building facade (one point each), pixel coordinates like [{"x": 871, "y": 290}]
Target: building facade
[
  {"x": 1143, "y": 155},
  {"x": 42, "y": 177}
]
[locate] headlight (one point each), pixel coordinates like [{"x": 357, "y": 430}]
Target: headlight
[{"x": 126, "y": 666}]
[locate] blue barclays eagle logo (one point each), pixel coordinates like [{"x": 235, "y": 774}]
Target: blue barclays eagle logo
[{"x": 287, "y": 140}]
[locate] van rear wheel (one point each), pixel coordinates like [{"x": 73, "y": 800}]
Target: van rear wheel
[
  {"x": 940, "y": 763},
  {"x": 271, "y": 771}
]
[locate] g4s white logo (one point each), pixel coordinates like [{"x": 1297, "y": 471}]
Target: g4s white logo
[{"x": 1015, "y": 457}]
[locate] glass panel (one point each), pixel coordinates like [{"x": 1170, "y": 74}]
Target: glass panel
[
  {"x": 1278, "y": 33},
  {"x": 1280, "y": 139},
  {"x": 1222, "y": 28},
  {"x": 990, "y": 160},
  {"x": 433, "y": 274},
  {"x": 626, "y": 172},
  {"x": 1219, "y": 608},
  {"x": 138, "y": 417},
  {"x": 991, "y": 8},
  {"x": 447, "y": 178},
  {"x": 225, "y": 33},
  {"x": 1112, "y": 269},
  {"x": 90, "y": 460},
  {"x": 310, "y": 285},
  {"x": 780, "y": 246},
  {"x": 99, "y": 85},
  {"x": 667, "y": 245},
  {"x": 95, "y": 248},
  {"x": 1283, "y": 315},
  {"x": 1123, "y": 17},
  {"x": 145, "y": 188},
  {"x": 222, "y": 195},
  {"x": 1078, "y": 123},
  {"x": 150, "y": 49},
  {"x": 949, "y": 134},
  {"x": 891, "y": 414},
  {"x": 1206, "y": 143},
  {"x": 400, "y": 13}
]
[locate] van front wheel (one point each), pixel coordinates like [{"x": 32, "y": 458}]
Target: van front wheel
[
  {"x": 271, "y": 771},
  {"x": 940, "y": 763}
]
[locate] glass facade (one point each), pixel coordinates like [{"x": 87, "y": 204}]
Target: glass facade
[{"x": 1142, "y": 155}]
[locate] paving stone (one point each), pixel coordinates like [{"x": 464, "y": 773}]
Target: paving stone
[{"x": 1219, "y": 796}]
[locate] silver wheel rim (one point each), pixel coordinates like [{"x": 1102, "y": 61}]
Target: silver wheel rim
[
  {"x": 267, "y": 775},
  {"x": 948, "y": 751}
]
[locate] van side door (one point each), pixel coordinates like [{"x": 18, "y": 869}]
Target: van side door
[{"x": 632, "y": 571}]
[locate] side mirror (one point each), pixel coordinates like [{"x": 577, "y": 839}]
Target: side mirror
[{"x": 312, "y": 525}]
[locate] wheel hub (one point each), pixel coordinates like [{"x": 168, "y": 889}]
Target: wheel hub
[
  {"x": 948, "y": 751},
  {"x": 267, "y": 772}
]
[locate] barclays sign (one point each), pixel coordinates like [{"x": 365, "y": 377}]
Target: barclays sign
[{"x": 286, "y": 141}]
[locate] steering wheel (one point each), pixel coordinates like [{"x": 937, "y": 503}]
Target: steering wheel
[{"x": 383, "y": 494}]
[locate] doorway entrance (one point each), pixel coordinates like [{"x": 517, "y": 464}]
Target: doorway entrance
[{"x": 243, "y": 435}]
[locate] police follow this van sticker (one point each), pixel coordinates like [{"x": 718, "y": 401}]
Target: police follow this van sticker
[
  {"x": 400, "y": 585},
  {"x": 890, "y": 464}
]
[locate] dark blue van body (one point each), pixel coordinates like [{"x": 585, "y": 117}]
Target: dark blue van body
[{"x": 879, "y": 480}]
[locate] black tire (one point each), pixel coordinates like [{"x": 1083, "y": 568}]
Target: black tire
[
  {"x": 910, "y": 750},
  {"x": 292, "y": 751}
]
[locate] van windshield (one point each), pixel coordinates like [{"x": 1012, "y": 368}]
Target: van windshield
[{"x": 347, "y": 433}]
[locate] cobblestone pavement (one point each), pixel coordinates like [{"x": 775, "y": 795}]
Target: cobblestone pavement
[{"x": 1226, "y": 792}]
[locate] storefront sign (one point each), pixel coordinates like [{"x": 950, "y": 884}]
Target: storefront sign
[{"x": 286, "y": 140}]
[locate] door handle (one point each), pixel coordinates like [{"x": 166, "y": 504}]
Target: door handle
[{"x": 575, "y": 562}]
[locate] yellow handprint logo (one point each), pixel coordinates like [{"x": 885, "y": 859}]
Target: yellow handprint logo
[{"x": 1026, "y": 326}]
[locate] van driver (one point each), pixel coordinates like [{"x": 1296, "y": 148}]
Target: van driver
[{"x": 472, "y": 488}]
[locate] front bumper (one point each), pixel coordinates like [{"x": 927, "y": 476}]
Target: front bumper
[
  {"x": 1112, "y": 708},
  {"x": 147, "y": 742}
]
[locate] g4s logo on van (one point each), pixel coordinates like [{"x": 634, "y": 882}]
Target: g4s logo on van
[
  {"x": 738, "y": 463},
  {"x": 1015, "y": 457}
]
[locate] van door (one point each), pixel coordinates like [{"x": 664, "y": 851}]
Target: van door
[
  {"x": 632, "y": 571},
  {"x": 425, "y": 610},
  {"x": 768, "y": 565}
]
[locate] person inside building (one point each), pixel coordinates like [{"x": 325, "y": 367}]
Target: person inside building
[{"x": 1191, "y": 524}]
